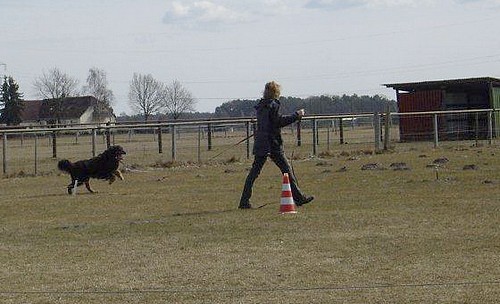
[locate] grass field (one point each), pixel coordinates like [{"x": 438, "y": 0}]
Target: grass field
[{"x": 174, "y": 235}]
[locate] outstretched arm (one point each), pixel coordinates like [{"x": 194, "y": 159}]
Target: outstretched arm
[{"x": 285, "y": 120}]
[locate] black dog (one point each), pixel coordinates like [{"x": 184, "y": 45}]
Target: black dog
[{"x": 104, "y": 166}]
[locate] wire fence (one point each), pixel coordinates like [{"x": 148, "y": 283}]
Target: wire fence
[{"x": 36, "y": 151}]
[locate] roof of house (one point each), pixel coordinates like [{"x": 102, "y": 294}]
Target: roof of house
[
  {"x": 71, "y": 108},
  {"x": 477, "y": 83},
  {"x": 31, "y": 110}
]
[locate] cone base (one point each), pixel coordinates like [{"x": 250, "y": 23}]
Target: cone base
[
  {"x": 287, "y": 212},
  {"x": 288, "y": 209}
]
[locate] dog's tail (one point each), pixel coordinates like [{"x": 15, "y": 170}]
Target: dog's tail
[{"x": 64, "y": 165}]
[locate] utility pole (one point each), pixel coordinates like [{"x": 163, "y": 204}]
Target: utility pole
[{"x": 4, "y": 69}]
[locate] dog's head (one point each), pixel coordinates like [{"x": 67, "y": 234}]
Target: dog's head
[{"x": 116, "y": 152}]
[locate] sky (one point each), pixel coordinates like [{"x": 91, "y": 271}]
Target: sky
[{"x": 221, "y": 50}]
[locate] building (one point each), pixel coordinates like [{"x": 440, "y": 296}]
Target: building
[
  {"x": 71, "y": 110},
  {"x": 442, "y": 95}
]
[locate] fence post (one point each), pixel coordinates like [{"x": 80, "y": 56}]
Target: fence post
[
  {"x": 173, "y": 143},
  {"x": 36, "y": 154},
  {"x": 490, "y": 127},
  {"x": 160, "y": 143},
  {"x": 209, "y": 137},
  {"x": 341, "y": 131},
  {"x": 299, "y": 133},
  {"x": 328, "y": 137},
  {"x": 94, "y": 135},
  {"x": 376, "y": 128},
  {"x": 315, "y": 136},
  {"x": 199, "y": 143},
  {"x": 436, "y": 131},
  {"x": 54, "y": 144},
  {"x": 317, "y": 132},
  {"x": 477, "y": 128},
  {"x": 108, "y": 135},
  {"x": 4, "y": 156},
  {"x": 247, "y": 125},
  {"x": 387, "y": 129}
]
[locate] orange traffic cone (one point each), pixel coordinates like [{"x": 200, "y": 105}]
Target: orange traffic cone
[{"x": 287, "y": 204}]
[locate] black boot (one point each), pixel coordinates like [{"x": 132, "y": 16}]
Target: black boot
[
  {"x": 245, "y": 205},
  {"x": 305, "y": 200}
]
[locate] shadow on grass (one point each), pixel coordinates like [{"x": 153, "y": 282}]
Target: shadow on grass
[
  {"x": 197, "y": 213},
  {"x": 163, "y": 219},
  {"x": 207, "y": 212},
  {"x": 62, "y": 194}
]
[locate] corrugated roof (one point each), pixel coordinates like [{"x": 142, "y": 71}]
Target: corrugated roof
[{"x": 443, "y": 84}]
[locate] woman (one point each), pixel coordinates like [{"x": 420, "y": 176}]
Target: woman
[{"x": 268, "y": 142}]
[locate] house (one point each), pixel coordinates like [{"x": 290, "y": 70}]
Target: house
[
  {"x": 442, "y": 95},
  {"x": 72, "y": 110}
]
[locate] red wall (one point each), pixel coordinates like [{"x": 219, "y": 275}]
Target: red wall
[{"x": 418, "y": 127}]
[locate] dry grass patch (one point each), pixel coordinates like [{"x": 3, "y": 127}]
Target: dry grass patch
[{"x": 175, "y": 235}]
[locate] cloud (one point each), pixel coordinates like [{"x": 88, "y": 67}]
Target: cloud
[
  {"x": 179, "y": 10},
  {"x": 201, "y": 12},
  {"x": 274, "y": 7},
  {"x": 192, "y": 13},
  {"x": 208, "y": 11},
  {"x": 484, "y": 3},
  {"x": 476, "y": 1},
  {"x": 334, "y": 4},
  {"x": 346, "y": 4}
]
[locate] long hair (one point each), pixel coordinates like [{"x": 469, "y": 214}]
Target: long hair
[{"x": 272, "y": 90}]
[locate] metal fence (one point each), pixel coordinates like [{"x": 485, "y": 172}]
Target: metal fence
[{"x": 36, "y": 151}]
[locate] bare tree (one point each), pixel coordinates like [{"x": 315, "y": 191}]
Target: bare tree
[
  {"x": 178, "y": 100},
  {"x": 146, "y": 95},
  {"x": 97, "y": 86},
  {"x": 54, "y": 86}
]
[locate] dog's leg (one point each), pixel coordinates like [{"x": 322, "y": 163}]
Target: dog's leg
[
  {"x": 119, "y": 174},
  {"x": 115, "y": 174},
  {"x": 87, "y": 185},
  {"x": 71, "y": 187}
]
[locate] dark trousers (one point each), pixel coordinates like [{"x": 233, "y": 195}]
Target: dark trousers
[{"x": 280, "y": 160}]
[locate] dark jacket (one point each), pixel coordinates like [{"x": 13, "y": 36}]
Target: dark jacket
[{"x": 269, "y": 123}]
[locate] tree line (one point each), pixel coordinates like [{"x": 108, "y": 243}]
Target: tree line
[{"x": 314, "y": 105}]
